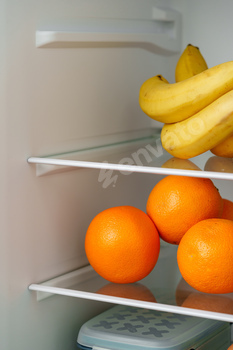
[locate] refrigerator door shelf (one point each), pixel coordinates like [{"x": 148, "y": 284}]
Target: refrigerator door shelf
[
  {"x": 161, "y": 33},
  {"x": 170, "y": 294},
  {"x": 139, "y": 152}
]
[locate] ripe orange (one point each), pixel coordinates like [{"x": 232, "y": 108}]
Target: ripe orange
[
  {"x": 227, "y": 209},
  {"x": 176, "y": 203},
  {"x": 230, "y": 347},
  {"x": 204, "y": 256},
  {"x": 122, "y": 244}
]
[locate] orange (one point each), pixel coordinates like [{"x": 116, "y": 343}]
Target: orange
[
  {"x": 176, "y": 203},
  {"x": 136, "y": 291},
  {"x": 227, "y": 209},
  {"x": 204, "y": 256},
  {"x": 122, "y": 244},
  {"x": 230, "y": 347}
]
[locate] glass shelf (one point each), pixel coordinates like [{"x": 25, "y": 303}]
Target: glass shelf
[
  {"x": 143, "y": 154},
  {"x": 154, "y": 292}
]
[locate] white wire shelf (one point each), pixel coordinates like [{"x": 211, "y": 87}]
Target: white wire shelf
[
  {"x": 143, "y": 154},
  {"x": 153, "y": 292}
]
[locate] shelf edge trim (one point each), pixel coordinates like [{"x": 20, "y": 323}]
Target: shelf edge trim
[{"x": 130, "y": 302}]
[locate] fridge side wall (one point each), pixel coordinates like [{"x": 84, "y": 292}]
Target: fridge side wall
[{"x": 53, "y": 100}]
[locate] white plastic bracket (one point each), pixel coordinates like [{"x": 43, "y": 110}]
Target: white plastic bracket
[{"x": 161, "y": 33}]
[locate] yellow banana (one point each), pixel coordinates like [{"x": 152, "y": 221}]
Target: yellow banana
[
  {"x": 170, "y": 103},
  {"x": 190, "y": 63},
  {"x": 201, "y": 132},
  {"x": 225, "y": 148}
]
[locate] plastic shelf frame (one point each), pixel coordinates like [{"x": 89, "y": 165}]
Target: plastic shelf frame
[
  {"x": 137, "y": 152},
  {"x": 159, "y": 33},
  {"x": 170, "y": 294}
]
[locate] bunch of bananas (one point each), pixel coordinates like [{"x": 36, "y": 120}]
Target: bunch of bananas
[{"x": 197, "y": 110}]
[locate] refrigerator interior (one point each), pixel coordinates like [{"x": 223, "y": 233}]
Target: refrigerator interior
[{"x": 70, "y": 78}]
